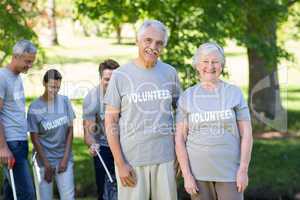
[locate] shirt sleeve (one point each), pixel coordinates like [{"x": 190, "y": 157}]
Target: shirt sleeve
[
  {"x": 89, "y": 108},
  {"x": 113, "y": 96},
  {"x": 242, "y": 109},
  {"x": 32, "y": 121}
]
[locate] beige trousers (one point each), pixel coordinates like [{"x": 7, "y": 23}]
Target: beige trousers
[
  {"x": 155, "y": 181},
  {"x": 209, "y": 190}
]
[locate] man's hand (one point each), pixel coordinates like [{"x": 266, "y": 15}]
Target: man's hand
[
  {"x": 49, "y": 171},
  {"x": 127, "y": 175},
  {"x": 5, "y": 155},
  {"x": 93, "y": 148},
  {"x": 63, "y": 164},
  {"x": 11, "y": 163}
]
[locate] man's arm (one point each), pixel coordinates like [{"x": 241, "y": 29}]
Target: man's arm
[
  {"x": 88, "y": 129},
  {"x": 5, "y": 153},
  {"x": 126, "y": 172}
]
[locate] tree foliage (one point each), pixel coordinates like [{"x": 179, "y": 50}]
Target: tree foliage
[
  {"x": 251, "y": 23},
  {"x": 14, "y": 24},
  {"x": 111, "y": 12}
]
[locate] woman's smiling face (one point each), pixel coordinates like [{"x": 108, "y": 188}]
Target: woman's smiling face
[{"x": 209, "y": 67}]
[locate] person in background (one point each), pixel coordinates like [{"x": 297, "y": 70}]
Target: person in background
[
  {"x": 13, "y": 126},
  {"x": 213, "y": 132},
  {"x": 94, "y": 132},
  {"x": 50, "y": 123}
]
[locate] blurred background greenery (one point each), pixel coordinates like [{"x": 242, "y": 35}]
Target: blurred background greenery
[{"x": 260, "y": 38}]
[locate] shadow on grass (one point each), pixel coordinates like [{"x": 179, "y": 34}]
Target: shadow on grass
[
  {"x": 293, "y": 121},
  {"x": 124, "y": 43},
  {"x": 294, "y": 90},
  {"x": 235, "y": 54},
  {"x": 75, "y": 60},
  {"x": 293, "y": 98}
]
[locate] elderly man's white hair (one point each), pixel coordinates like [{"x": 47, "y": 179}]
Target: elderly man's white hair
[
  {"x": 154, "y": 23},
  {"x": 24, "y": 46},
  {"x": 207, "y": 48}
]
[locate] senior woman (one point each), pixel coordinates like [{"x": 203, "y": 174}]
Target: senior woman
[{"x": 213, "y": 132}]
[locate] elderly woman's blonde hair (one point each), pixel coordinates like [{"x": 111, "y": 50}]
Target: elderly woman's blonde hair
[{"x": 208, "y": 48}]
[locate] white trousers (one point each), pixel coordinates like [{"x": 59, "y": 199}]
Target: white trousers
[{"x": 64, "y": 181}]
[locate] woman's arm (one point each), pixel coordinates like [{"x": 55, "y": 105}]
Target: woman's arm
[
  {"x": 245, "y": 131},
  {"x": 182, "y": 157}
]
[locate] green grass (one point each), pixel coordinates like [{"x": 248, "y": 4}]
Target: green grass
[{"x": 274, "y": 170}]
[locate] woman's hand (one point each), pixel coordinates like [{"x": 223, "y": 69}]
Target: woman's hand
[
  {"x": 242, "y": 180},
  {"x": 190, "y": 185},
  {"x": 63, "y": 164},
  {"x": 49, "y": 171}
]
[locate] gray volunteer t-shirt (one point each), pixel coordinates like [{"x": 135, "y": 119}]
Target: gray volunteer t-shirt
[
  {"x": 213, "y": 141},
  {"x": 13, "y": 114},
  {"x": 93, "y": 109},
  {"x": 51, "y": 122},
  {"x": 145, "y": 98}
]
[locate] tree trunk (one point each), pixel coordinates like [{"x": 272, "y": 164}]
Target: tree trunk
[
  {"x": 3, "y": 59},
  {"x": 264, "y": 91},
  {"x": 119, "y": 31},
  {"x": 52, "y": 23}
]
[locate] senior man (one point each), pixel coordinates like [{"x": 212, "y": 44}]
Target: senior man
[
  {"x": 13, "y": 124},
  {"x": 140, "y": 100}
]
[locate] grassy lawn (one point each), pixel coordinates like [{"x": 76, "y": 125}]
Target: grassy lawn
[{"x": 274, "y": 171}]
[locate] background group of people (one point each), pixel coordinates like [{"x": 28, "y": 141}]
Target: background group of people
[{"x": 138, "y": 120}]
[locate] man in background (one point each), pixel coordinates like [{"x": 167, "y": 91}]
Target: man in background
[{"x": 94, "y": 132}]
